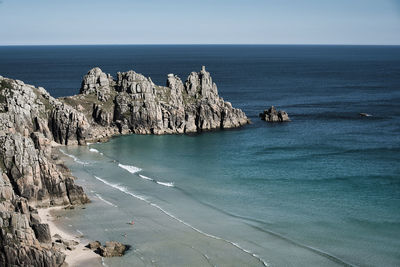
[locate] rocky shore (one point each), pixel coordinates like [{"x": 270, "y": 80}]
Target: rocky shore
[{"x": 33, "y": 124}]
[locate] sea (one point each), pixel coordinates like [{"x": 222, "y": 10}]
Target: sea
[{"x": 321, "y": 190}]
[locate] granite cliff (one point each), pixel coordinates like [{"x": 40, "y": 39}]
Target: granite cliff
[{"x": 32, "y": 124}]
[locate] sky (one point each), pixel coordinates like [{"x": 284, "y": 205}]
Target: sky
[{"x": 36, "y": 22}]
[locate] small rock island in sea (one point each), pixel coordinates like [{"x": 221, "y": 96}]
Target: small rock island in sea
[
  {"x": 273, "y": 115},
  {"x": 32, "y": 123}
]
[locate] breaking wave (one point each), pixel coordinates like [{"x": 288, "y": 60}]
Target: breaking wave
[
  {"x": 146, "y": 178},
  {"x": 168, "y": 184},
  {"x": 129, "y": 168},
  {"x": 165, "y": 184}
]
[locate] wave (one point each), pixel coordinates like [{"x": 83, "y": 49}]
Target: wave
[
  {"x": 79, "y": 232},
  {"x": 121, "y": 188},
  {"x": 146, "y": 178},
  {"x": 126, "y": 191},
  {"x": 77, "y": 160},
  {"x": 168, "y": 184},
  {"x": 165, "y": 184},
  {"x": 105, "y": 201},
  {"x": 129, "y": 168},
  {"x": 93, "y": 150}
]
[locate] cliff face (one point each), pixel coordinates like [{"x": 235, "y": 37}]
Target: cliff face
[
  {"x": 32, "y": 123},
  {"x": 30, "y": 175}
]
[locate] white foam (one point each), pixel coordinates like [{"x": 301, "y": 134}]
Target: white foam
[
  {"x": 103, "y": 263},
  {"x": 168, "y": 184},
  {"x": 126, "y": 191},
  {"x": 129, "y": 168},
  {"x": 121, "y": 188},
  {"x": 93, "y": 150},
  {"x": 105, "y": 201},
  {"x": 165, "y": 184},
  {"x": 79, "y": 232},
  {"x": 74, "y": 158},
  {"x": 145, "y": 177}
]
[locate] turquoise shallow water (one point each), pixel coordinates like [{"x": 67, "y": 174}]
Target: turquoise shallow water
[
  {"x": 321, "y": 190},
  {"x": 328, "y": 197}
]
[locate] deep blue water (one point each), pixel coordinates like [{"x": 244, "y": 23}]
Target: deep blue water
[{"x": 329, "y": 179}]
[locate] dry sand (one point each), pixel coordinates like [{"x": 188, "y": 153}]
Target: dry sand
[{"x": 80, "y": 256}]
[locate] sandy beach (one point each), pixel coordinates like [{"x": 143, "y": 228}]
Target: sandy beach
[{"x": 80, "y": 256}]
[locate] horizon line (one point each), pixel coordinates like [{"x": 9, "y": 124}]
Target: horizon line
[{"x": 199, "y": 44}]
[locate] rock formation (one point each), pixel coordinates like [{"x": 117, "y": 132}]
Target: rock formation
[
  {"x": 272, "y": 115},
  {"x": 32, "y": 123},
  {"x": 30, "y": 175},
  {"x": 111, "y": 249},
  {"x": 133, "y": 103}
]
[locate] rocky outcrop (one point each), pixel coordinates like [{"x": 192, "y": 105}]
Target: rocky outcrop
[
  {"x": 140, "y": 106},
  {"x": 32, "y": 123},
  {"x": 111, "y": 249},
  {"x": 272, "y": 115},
  {"x": 97, "y": 82}
]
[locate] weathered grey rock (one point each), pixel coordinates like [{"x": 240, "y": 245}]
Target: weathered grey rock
[
  {"x": 272, "y": 115},
  {"x": 93, "y": 245},
  {"x": 28, "y": 173},
  {"x": 112, "y": 249},
  {"x": 68, "y": 125},
  {"x": 96, "y": 81},
  {"x": 142, "y": 107},
  {"x": 42, "y": 232},
  {"x": 31, "y": 122}
]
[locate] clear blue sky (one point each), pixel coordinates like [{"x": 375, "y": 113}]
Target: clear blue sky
[{"x": 200, "y": 22}]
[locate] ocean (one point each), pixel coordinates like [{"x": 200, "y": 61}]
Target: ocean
[{"x": 321, "y": 190}]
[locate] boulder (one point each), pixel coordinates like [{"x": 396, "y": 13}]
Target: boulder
[
  {"x": 93, "y": 245},
  {"x": 112, "y": 249},
  {"x": 272, "y": 115}
]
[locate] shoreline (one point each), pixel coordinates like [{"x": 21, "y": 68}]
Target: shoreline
[{"x": 80, "y": 256}]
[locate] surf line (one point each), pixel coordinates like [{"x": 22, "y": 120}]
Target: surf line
[
  {"x": 126, "y": 191},
  {"x": 130, "y": 168},
  {"x": 167, "y": 184},
  {"x": 105, "y": 201},
  {"x": 77, "y": 160}
]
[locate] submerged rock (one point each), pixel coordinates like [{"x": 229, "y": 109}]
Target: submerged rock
[{"x": 272, "y": 115}]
